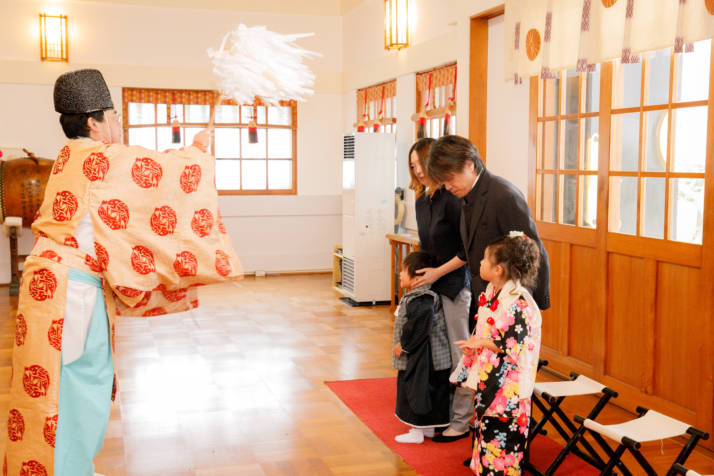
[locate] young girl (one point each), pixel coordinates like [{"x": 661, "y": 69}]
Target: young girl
[
  {"x": 421, "y": 354},
  {"x": 501, "y": 356}
]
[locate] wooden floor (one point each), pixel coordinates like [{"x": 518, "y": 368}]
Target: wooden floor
[{"x": 236, "y": 387}]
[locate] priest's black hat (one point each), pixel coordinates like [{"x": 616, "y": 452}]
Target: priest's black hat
[{"x": 82, "y": 91}]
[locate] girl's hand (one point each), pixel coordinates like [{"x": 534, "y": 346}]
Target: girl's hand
[
  {"x": 397, "y": 350},
  {"x": 429, "y": 276}
]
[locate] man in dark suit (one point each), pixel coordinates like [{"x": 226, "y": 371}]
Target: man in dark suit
[{"x": 491, "y": 208}]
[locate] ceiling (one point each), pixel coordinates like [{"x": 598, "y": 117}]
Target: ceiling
[{"x": 305, "y": 7}]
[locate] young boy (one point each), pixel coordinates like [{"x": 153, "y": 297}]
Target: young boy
[{"x": 422, "y": 355}]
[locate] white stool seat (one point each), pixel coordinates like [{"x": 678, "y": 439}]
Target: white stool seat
[
  {"x": 580, "y": 386},
  {"x": 650, "y": 427},
  {"x": 12, "y": 222}
]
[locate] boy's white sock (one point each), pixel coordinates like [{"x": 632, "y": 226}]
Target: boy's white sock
[
  {"x": 415, "y": 435},
  {"x": 428, "y": 432}
]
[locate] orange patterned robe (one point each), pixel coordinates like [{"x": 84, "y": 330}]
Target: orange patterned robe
[{"x": 157, "y": 235}]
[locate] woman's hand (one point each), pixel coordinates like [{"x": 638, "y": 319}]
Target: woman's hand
[
  {"x": 397, "y": 350},
  {"x": 426, "y": 276}
]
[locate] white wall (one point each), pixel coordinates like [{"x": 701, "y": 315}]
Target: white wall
[
  {"x": 440, "y": 33},
  {"x": 139, "y": 46}
]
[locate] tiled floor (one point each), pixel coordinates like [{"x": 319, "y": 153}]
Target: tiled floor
[{"x": 236, "y": 387}]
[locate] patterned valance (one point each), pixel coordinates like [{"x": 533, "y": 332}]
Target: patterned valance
[
  {"x": 169, "y": 96},
  {"x": 372, "y": 94},
  {"x": 441, "y": 76},
  {"x": 544, "y": 36}
]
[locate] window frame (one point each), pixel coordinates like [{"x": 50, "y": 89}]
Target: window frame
[
  {"x": 443, "y": 89},
  {"x": 187, "y": 97}
]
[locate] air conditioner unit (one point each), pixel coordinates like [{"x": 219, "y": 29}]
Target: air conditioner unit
[{"x": 367, "y": 216}]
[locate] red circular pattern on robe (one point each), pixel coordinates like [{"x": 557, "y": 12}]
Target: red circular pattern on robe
[
  {"x": 55, "y": 334},
  {"x": 172, "y": 296},
  {"x": 62, "y": 159},
  {"x": 65, "y": 206},
  {"x": 142, "y": 260},
  {"x": 49, "y": 254},
  {"x": 190, "y": 178},
  {"x": 102, "y": 255},
  {"x": 32, "y": 468},
  {"x": 91, "y": 263},
  {"x": 155, "y": 311},
  {"x": 185, "y": 264},
  {"x": 163, "y": 221},
  {"x": 202, "y": 222},
  {"x": 114, "y": 213},
  {"x": 20, "y": 330},
  {"x": 146, "y": 172},
  {"x": 71, "y": 241},
  {"x": 223, "y": 263},
  {"x": 43, "y": 285},
  {"x": 95, "y": 166},
  {"x": 35, "y": 381},
  {"x": 128, "y": 292},
  {"x": 221, "y": 227},
  {"x": 50, "y": 430},
  {"x": 15, "y": 425}
]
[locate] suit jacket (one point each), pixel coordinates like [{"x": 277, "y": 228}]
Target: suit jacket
[{"x": 489, "y": 211}]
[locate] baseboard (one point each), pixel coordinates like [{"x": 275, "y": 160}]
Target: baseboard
[{"x": 291, "y": 273}]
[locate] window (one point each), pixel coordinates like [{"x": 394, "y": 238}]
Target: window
[
  {"x": 657, "y": 122},
  {"x": 266, "y": 167},
  {"x": 375, "y": 103},
  {"x": 435, "y": 88},
  {"x": 567, "y": 153}
]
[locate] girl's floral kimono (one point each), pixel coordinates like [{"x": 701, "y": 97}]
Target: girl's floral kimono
[{"x": 503, "y": 381}]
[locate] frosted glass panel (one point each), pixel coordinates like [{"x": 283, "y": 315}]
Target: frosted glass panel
[
  {"x": 280, "y": 115},
  {"x": 658, "y": 84},
  {"x": 227, "y": 143},
  {"x": 226, "y": 114},
  {"x": 246, "y": 114},
  {"x": 689, "y": 139},
  {"x": 652, "y": 215},
  {"x": 143, "y": 136},
  {"x": 625, "y": 137},
  {"x": 176, "y": 112},
  {"x": 691, "y": 81},
  {"x": 626, "y": 84},
  {"x": 687, "y": 202},
  {"x": 280, "y": 144},
  {"x": 161, "y": 111},
  {"x": 141, "y": 113},
  {"x": 253, "y": 174},
  {"x": 623, "y": 205},
  {"x": 280, "y": 174},
  {"x": 588, "y": 201},
  {"x": 228, "y": 174},
  {"x": 197, "y": 113}
]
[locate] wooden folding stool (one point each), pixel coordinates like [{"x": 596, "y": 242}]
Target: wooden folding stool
[
  {"x": 548, "y": 396},
  {"x": 649, "y": 426}
]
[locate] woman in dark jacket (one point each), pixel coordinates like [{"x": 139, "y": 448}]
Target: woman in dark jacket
[{"x": 438, "y": 215}]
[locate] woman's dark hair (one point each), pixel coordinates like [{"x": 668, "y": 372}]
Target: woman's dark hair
[
  {"x": 449, "y": 155},
  {"x": 75, "y": 125},
  {"x": 417, "y": 260},
  {"x": 421, "y": 147},
  {"x": 519, "y": 256}
]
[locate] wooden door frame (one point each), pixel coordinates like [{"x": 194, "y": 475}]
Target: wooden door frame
[{"x": 478, "y": 76}]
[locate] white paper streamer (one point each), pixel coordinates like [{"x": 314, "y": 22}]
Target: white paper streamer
[{"x": 254, "y": 61}]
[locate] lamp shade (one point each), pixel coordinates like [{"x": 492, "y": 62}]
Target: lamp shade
[
  {"x": 396, "y": 24},
  {"x": 54, "y": 42}
]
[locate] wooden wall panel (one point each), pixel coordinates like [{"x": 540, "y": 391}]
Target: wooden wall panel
[
  {"x": 679, "y": 342},
  {"x": 584, "y": 303},
  {"x": 555, "y": 319},
  {"x": 630, "y": 320}
]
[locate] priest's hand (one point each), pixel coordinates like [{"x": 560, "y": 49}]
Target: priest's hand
[
  {"x": 202, "y": 140},
  {"x": 397, "y": 350}
]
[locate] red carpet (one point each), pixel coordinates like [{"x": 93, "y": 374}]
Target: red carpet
[{"x": 373, "y": 401}]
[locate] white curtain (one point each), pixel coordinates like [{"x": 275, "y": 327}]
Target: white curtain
[{"x": 544, "y": 36}]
